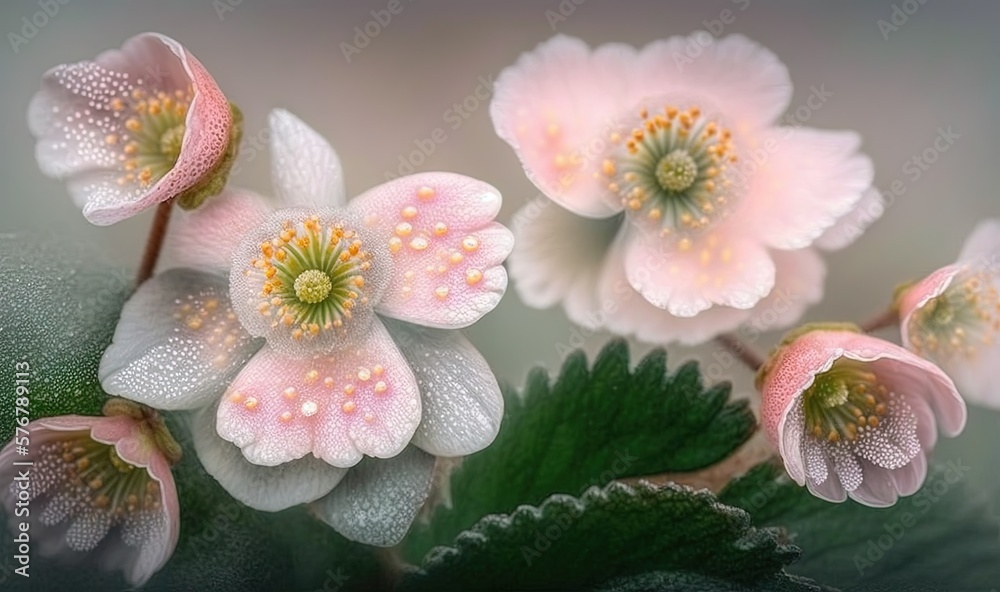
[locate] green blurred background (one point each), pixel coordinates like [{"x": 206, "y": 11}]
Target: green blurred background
[{"x": 896, "y": 86}]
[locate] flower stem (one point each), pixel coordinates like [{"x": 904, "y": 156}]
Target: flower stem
[
  {"x": 887, "y": 318},
  {"x": 741, "y": 351},
  {"x": 157, "y": 231}
]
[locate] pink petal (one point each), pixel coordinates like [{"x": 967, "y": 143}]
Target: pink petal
[
  {"x": 160, "y": 533},
  {"x": 445, "y": 246},
  {"x": 796, "y": 365},
  {"x": 557, "y": 255},
  {"x": 556, "y": 107},
  {"x": 919, "y": 294},
  {"x": 877, "y": 489},
  {"x": 908, "y": 480},
  {"x": 270, "y": 489},
  {"x": 739, "y": 77},
  {"x": 800, "y": 182},
  {"x": 205, "y": 238},
  {"x": 157, "y": 550},
  {"x": 798, "y": 284},
  {"x": 363, "y": 400},
  {"x": 72, "y": 116},
  {"x": 721, "y": 267}
]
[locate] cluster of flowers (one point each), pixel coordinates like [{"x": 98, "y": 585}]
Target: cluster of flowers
[{"x": 312, "y": 338}]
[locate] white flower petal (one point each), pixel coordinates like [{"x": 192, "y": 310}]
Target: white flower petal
[
  {"x": 305, "y": 169},
  {"x": 378, "y": 500},
  {"x": 462, "y": 403},
  {"x": 553, "y": 250},
  {"x": 177, "y": 345}
]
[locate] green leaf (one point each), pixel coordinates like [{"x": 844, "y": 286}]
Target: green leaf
[
  {"x": 588, "y": 428},
  {"x": 943, "y": 537},
  {"x": 659, "y": 581},
  {"x": 571, "y": 543},
  {"x": 62, "y": 303}
]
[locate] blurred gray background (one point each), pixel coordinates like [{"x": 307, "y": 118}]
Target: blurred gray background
[{"x": 896, "y": 84}]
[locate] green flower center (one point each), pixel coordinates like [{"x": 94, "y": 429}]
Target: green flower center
[
  {"x": 676, "y": 171},
  {"x": 104, "y": 481},
  {"x": 313, "y": 286},
  {"x": 313, "y": 276},
  {"x": 151, "y": 135},
  {"x": 958, "y": 322},
  {"x": 844, "y": 400},
  {"x": 171, "y": 142}
]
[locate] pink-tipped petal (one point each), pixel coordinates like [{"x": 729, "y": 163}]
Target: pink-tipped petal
[
  {"x": 266, "y": 488},
  {"x": 359, "y": 401},
  {"x": 738, "y": 76},
  {"x": 305, "y": 169},
  {"x": 206, "y": 237},
  {"x": 798, "y": 284},
  {"x": 557, "y": 108},
  {"x": 808, "y": 180},
  {"x": 446, "y": 249},
  {"x": 719, "y": 268},
  {"x": 81, "y": 116}
]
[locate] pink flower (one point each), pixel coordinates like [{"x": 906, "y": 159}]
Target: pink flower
[
  {"x": 320, "y": 333},
  {"x": 99, "y": 489},
  {"x": 952, "y": 316},
  {"x": 674, "y": 175},
  {"x": 854, "y": 416},
  {"x": 133, "y": 128}
]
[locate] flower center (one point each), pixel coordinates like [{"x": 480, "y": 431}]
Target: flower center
[
  {"x": 961, "y": 320},
  {"x": 844, "y": 400},
  {"x": 99, "y": 477},
  {"x": 674, "y": 169},
  {"x": 313, "y": 276},
  {"x": 151, "y": 136},
  {"x": 171, "y": 142},
  {"x": 313, "y": 286}
]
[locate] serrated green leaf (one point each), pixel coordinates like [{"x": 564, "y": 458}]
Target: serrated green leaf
[
  {"x": 62, "y": 302},
  {"x": 943, "y": 537},
  {"x": 666, "y": 581},
  {"x": 587, "y": 428},
  {"x": 570, "y": 543}
]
